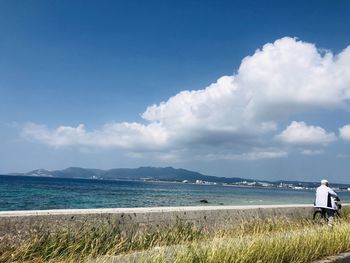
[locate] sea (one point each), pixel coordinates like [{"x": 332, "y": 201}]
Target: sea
[{"x": 39, "y": 193}]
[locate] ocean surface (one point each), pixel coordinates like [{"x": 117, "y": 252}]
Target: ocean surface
[{"x": 29, "y": 193}]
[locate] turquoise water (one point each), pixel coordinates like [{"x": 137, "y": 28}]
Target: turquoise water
[{"x": 29, "y": 193}]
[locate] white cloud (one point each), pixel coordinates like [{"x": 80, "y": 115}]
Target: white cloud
[
  {"x": 283, "y": 78},
  {"x": 344, "y": 132},
  {"x": 121, "y": 135},
  {"x": 312, "y": 152},
  {"x": 257, "y": 154},
  {"x": 343, "y": 156},
  {"x": 299, "y": 133}
]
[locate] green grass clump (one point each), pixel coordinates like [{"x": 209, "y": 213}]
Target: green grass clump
[
  {"x": 269, "y": 240},
  {"x": 91, "y": 242},
  {"x": 304, "y": 245},
  {"x": 250, "y": 240}
]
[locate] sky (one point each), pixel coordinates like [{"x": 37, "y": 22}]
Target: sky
[{"x": 253, "y": 89}]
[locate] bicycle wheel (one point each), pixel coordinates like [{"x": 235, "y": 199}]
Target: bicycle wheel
[
  {"x": 319, "y": 217},
  {"x": 337, "y": 214}
]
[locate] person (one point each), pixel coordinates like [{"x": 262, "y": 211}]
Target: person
[{"x": 326, "y": 199}]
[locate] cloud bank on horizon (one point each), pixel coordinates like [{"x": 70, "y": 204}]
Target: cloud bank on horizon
[{"x": 238, "y": 116}]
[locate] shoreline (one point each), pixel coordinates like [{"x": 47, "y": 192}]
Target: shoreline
[{"x": 181, "y": 182}]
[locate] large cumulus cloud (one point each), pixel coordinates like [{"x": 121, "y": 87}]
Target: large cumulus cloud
[
  {"x": 344, "y": 132},
  {"x": 299, "y": 133},
  {"x": 235, "y": 117}
]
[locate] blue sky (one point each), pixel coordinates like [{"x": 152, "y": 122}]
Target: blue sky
[{"x": 104, "y": 63}]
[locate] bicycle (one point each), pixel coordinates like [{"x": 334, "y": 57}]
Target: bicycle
[{"x": 320, "y": 214}]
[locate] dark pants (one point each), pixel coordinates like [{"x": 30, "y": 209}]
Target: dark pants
[{"x": 330, "y": 216}]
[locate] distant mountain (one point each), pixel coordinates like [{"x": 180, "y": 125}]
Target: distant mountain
[
  {"x": 77, "y": 172},
  {"x": 38, "y": 172},
  {"x": 163, "y": 174},
  {"x": 141, "y": 173}
]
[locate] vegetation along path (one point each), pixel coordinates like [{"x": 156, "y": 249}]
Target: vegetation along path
[{"x": 256, "y": 240}]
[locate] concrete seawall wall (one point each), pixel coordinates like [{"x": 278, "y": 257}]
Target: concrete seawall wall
[{"x": 18, "y": 226}]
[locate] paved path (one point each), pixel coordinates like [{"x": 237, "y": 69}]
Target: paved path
[
  {"x": 138, "y": 210},
  {"x": 341, "y": 258}
]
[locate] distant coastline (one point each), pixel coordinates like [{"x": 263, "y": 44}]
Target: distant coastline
[{"x": 170, "y": 174}]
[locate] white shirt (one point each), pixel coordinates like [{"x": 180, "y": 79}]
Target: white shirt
[{"x": 325, "y": 197}]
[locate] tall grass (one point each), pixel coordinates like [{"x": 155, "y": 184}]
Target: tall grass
[
  {"x": 269, "y": 240},
  {"x": 257, "y": 240},
  {"x": 304, "y": 245},
  {"x": 92, "y": 242}
]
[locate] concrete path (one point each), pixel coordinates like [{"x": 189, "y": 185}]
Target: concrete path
[
  {"x": 341, "y": 258},
  {"x": 139, "y": 210},
  {"x": 135, "y": 256}
]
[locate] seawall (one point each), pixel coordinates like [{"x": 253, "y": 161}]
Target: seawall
[{"x": 18, "y": 226}]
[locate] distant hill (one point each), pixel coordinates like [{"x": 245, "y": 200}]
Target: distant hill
[
  {"x": 161, "y": 174},
  {"x": 141, "y": 173}
]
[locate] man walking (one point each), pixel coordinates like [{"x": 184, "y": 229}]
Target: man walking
[{"x": 325, "y": 199}]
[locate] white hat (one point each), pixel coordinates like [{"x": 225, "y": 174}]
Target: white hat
[{"x": 324, "y": 181}]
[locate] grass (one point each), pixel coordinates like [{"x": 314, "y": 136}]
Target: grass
[
  {"x": 92, "y": 242},
  {"x": 257, "y": 240},
  {"x": 304, "y": 245}
]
